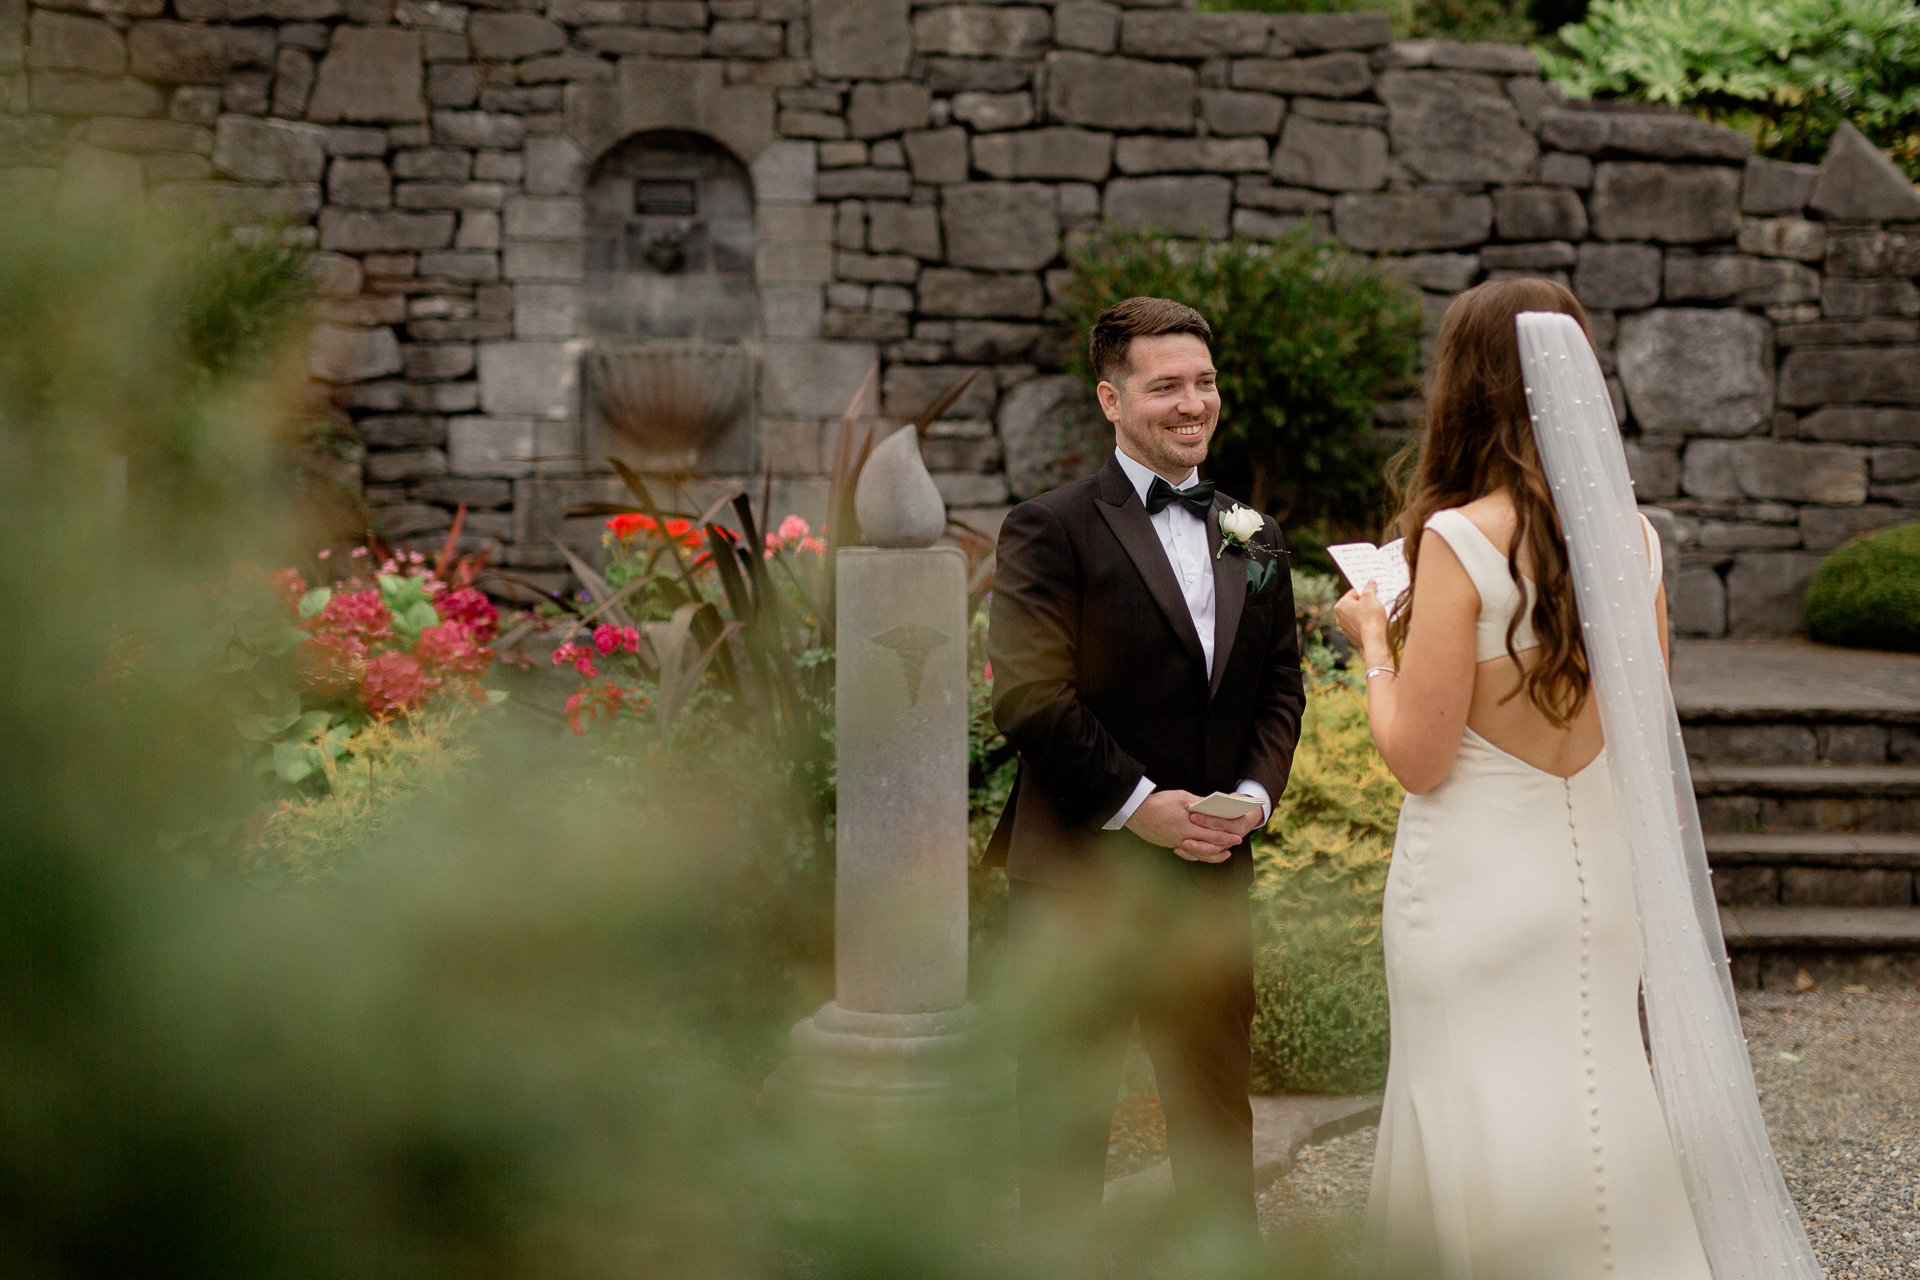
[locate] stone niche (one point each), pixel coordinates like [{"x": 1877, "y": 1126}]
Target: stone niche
[{"x": 670, "y": 306}]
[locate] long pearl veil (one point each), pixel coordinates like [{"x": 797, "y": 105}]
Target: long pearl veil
[{"x": 1747, "y": 1222}]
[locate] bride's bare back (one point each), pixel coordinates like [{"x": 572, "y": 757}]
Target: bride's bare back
[{"x": 1439, "y": 689}]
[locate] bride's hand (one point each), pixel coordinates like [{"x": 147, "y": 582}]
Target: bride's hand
[{"x": 1361, "y": 616}]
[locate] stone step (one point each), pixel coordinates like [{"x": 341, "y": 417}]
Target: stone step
[
  {"x": 1781, "y": 740},
  {"x": 1849, "y": 781},
  {"x": 1821, "y": 928},
  {"x": 1861, "y": 850}
]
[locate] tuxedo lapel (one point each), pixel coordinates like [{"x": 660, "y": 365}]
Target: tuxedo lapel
[
  {"x": 1124, "y": 514},
  {"x": 1229, "y": 596}
]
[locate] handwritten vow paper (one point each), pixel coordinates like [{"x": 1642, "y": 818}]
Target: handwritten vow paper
[{"x": 1385, "y": 567}]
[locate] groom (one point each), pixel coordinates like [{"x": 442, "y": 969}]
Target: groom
[{"x": 1139, "y": 665}]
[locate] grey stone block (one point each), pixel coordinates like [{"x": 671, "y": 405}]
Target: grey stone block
[
  {"x": 1331, "y": 157},
  {"x": 1774, "y": 186},
  {"x": 1858, "y": 182},
  {"x": 1310, "y": 31},
  {"x": 555, "y": 167},
  {"x": 438, "y": 164},
  {"x": 990, "y": 341},
  {"x": 475, "y": 493},
  {"x": 1861, "y": 426},
  {"x": 449, "y": 195},
  {"x": 1120, "y": 93},
  {"x": 71, "y": 93},
  {"x": 903, "y": 228},
  {"x": 530, "y": 218},
  {"x": 177, "y": 52},
  {"x": 1660, "y": 137},
  {"x": 1889, "y": 465},
  {"x": 404, "y": 464},
  {"x": 346, "y": 140},
  {"x": 363, "y": 184},
  {"x": 1230, "y": 113},
  {"x": 351, "y": 231},
  {"x": 1699, "y": 604},
  {"x": 973, "y": 75},
  {"x": 250, "y": 46},
  {"x": 1045, "y": 153},
  {"x": 467, "y": 265},
  {"x": 149, "y": 135},
  {"x": 292, "y": 83},
  {"x": 1871, "y": 253},
  {"x": 1557, "y": 168},
  {"x": 1752, "y": 282},
  {"x": 478, "y": 129},
  {"x": 880, "y": 110},
  {"x": 1671, "y": 203},
  {"x": 876, "y": 268},
  {"x": 983, "y": 31},
  {"x": 403, "y": 431},
  {"x": 1539, "y": 213},
  {"x": 373, "y": 74},
  {"x": 1456, "y": 127},
  {"x": 1048, "y": 434},
  {"x": 1766, "y": 592},
  {"x": 843, "y": 184},
  {"x": 864, "y": 326},
  {"x": 1259, "y": 193},
  {"x": 1179, "y": 206},
  {"x": 939, "y": 155},
  {"x": 1193, "y": 155},
  {"x": 1793, "y": 238},
  {"x": 993, "y": 112},
  {"x": 336, "y": 354},
  {"x": 1776, "y": 470},
  {"x": 860, "y": 39},
  {"x": 1716, "y": 536},
  {"x": 241, "y": 202},
  {"x": 1752, "y": 744},
  {"x": 195, "y": 104},
  {"x": 1407, "y": 221},
  {"x": 1257, "y": 224},
  {"x": 437, "y": 362},
  {"x": 1086, "y": 25},
  {"x": 745, "y": 40},
  {"x": 1330, "y": 75},
  {"x": 813, "y": 379},
  {"x": 1439, "y": 272},
  {"x": 1001, "y": 226},
  {"x": 248, "y": 93},
  {"x": 1654, "y": 464},
  {"x": 1852, "y": 299},
  {"x": 787, "y": 312},
  {"x": 909, "y": 388},
  {"x": 1175, "y": 33},
  {"x": 1696, "y": 372},
  {"x": 63, "y": 42},
  {"x": 501, "y": 447},
  {"x": 1546, "y": 255},
  {"x": 1810, "y": 378},
  {"x": 975, "y": 295},
  {"x": 530, "y": 379},
  {"x": 1828, "y": 528},
  {"x": 269, "y": 150},
  {"x": 1505, "y": 59}
]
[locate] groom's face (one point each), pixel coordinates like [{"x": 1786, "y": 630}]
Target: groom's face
[{"x": 1165, "y": 406}]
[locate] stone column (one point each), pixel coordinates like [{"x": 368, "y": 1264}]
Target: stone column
[{"x": 892, "y": 1063}]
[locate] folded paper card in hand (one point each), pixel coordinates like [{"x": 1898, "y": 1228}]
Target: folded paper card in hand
[
  {"x": 1385, "y": 567},
  {"x": 1221, "y": 804}
]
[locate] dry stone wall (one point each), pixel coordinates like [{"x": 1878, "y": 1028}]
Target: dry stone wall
[{"x": 914, "y": 169}]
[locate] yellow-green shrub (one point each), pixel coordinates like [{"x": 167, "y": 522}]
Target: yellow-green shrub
[{"x": 1320, "y": 870}]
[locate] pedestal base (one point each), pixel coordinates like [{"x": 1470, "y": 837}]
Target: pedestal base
[{"x": 896, "y": 1078}]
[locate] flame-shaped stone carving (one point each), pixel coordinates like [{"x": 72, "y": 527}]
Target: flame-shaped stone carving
[
  {"x": 895, "y": 500},
  {"x": 911, "y": 643}
]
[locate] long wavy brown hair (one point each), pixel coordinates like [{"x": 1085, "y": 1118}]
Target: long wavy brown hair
[{"x": 1479, "y": 438}]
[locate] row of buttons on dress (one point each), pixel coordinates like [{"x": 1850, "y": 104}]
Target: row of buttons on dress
[{"x": 1586, "y": 1034}]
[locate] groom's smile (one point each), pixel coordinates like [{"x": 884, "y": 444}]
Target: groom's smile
[{"x": 1165, "y": 404}]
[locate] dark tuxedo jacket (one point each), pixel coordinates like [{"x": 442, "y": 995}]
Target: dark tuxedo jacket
[{"x": 1099, "y": 680}]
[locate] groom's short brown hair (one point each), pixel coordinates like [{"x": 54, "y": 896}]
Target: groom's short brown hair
[{"x": 1114, "y": 332}]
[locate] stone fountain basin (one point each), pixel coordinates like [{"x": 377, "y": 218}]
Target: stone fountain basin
[{"x": 670, "y": 395}]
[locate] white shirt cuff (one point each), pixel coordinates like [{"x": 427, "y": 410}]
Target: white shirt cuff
[
  {"x": 1141, "y": 791},
  {"x": 1248, "y": 787}
]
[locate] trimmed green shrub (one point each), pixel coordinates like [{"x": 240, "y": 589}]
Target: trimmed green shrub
[
  {"x": 1320, "y": 870},
  {"x": 1787, "y": 71},
  {"x": 1308, "y": 339},
  {"x": 1867, "y": 594}
]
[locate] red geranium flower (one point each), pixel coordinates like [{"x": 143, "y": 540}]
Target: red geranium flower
[
  {"x": 393, "y": 682},
  {"x": 471, "y": 609}
]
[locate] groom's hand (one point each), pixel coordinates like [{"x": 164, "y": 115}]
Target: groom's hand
[{"x": 1162, "y": 819}]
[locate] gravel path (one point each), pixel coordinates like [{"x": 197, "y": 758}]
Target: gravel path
[{"x": 1839, "y": 1079}]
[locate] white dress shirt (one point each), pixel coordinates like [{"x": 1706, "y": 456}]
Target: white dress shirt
[{"x": 1183, "y": 536}]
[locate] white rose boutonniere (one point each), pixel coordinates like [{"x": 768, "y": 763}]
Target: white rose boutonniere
[{"x": 1237, "y": 527}]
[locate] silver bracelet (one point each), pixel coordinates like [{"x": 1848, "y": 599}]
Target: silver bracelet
[{"x": 1374, "y": 671}]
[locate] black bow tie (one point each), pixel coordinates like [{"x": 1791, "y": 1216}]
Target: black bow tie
[{"x": 1197, "y": 498}]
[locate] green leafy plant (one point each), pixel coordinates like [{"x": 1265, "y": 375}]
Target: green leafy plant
[
  {"x": 1320, "y": 871},
  {"x": 1787, "y": 71},
  {"x": 1866, "y": 595},
  {"x": 1308, "y": 339}
]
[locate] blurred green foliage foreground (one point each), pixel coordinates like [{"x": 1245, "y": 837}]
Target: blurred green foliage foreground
[{"x": 522, "y": 1030}]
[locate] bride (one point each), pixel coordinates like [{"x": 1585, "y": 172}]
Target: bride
[{"x": 1548, "y": 868}]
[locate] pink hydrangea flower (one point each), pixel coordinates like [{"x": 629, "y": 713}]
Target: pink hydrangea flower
[
  {"x": 354, "y": 613},
  {"x": 393, "y": 682},
  {"x": 451, "y": 647},
  {"x": 608, "y": 638},
  {"x": 793, "y": 528},
  {"x": 470, "y": 608}
]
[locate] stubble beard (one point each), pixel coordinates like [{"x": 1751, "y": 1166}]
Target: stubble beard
[{"x": 1161, "y": 450}]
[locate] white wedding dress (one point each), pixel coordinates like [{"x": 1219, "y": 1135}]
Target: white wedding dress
[{"x": 1521, "y": 1137}]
